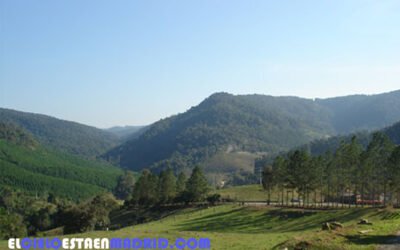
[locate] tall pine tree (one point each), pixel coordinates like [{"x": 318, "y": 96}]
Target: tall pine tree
[{"x": 197, "y": 186}]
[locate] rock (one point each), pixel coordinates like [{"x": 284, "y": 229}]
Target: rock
[
  {"x": 364, "y": 222},
  {"x": 326, "y": 226},
  {"x": 365, "y": 231},
  {"x": 331, "y": 225},
  {"x": 336, "y": 225}
]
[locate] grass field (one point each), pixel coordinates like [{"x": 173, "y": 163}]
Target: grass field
[
  {"x": 248, "y": 193},
  {"x": 236, "y": 227}
]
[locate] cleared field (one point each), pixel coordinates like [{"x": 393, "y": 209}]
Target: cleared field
[
  {"x": 236, "y": 227},
  {"x": 248, "y": 193}
]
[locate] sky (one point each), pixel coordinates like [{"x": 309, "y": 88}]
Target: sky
[{"x": 107, "y": 63}]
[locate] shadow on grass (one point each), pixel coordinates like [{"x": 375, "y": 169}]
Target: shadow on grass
[
  {"x": 372, "y": 239},
  {"x": 244, "y": 220},
  {"x": 133, "y": 216}
]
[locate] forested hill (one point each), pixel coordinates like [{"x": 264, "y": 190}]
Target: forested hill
[
  {"x": 321, "y": 146},
  {"x": 393, "y": 132},
  {"x": 16, "y": 135},
  {"x": 62, "y": 135},
  {"x": 252, "y": 123},
  {"x": 363, "y": 112},
  {"x": 27, "y": 166}
]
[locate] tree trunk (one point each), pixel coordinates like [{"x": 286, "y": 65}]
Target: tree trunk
[
  {"x": 373, "y": 195},
  {"x": 337, "y": 197},
  {"x": 287, "y": 197},
  {"x": 329, "y": 194},
  {"x": 321, "y": 200},
  {"x": 384, "y": 192},
  {"x": 292, "y": 197},
  {"x": 349, "y": 199},
  {"x": 342, "y": 196},
  {"x": 355, "y": 195},
  {"x": 362, "y": 195},
  {"x": 315, "y": 198}
]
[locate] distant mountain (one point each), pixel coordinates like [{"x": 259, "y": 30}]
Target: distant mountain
[
  {"x": 127, "y": 132},
  {"x": 228, "y": 123},
  {"x": 363, "y": 112},
  {"x": 321, "y": 146},
  {"x": 27, "y": 166},
  {"x": 224, "y": 131},
  {"x": 393, "y": 132},
  {"x": 62, "y": 135}
]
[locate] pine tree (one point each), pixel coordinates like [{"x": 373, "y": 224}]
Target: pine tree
[
  {"x": 146, "y": 189},
  {"x": 376, "y": 159},
  {"x": 298, "y": 169},
  {"x": 125, "y": 186},
  {"x": 167, "y": 186},
  {"x": 394, "y": 178},
  {"x": 280, "y": 169},
  {"x": 347, "y": 160},
  {"x": 181, "y": 183},
  {"x": 268, "y": 180},
  {"x": 197, "y": 186}
]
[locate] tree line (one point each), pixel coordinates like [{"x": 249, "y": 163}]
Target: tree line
[
  {"x": 22, "y": 214},
  {"x": 352, "y": 174},
  {"x": 164, "y": 188}
]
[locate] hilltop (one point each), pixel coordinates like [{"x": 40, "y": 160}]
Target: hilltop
[
  {"x": 61, "y": 135},
  {"x": 225, "y": 132}
]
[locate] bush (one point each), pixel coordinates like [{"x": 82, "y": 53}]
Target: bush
[
  {"x": 11, "y": 225},
  {"x": 214, "y": 198}
]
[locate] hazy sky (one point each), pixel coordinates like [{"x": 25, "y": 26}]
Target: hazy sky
[{"x": 108, "y": 63}]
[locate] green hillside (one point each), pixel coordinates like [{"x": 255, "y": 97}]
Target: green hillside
[
  {"x": 70, "y": 137},
  {"x": 235, "y": 227},
  {"x": 321, "y": 146},
  {"x": 27, "y": 166},
  {"x": 224, "y": 125},
  {"x": 363, "y": 112},
  {"x": 16, "y": 135},
  {"x": 224, "y": 122},
  {"x": 393, "y": 132}
]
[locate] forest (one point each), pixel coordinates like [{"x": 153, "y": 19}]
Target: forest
[
  {"x": 251, "y": 123},
  {"x": 22, "y": 214},
  {"x": 350, "y": 175}
]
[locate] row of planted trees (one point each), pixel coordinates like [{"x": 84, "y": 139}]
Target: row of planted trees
[
  {"x": 352, "y": 175},
  {"x": 22, "y": 214}
]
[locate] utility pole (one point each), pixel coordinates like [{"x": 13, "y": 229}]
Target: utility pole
[{"x": 260, "y": 176}]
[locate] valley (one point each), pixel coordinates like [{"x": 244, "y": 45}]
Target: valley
[{"x": 247, "y": 171}]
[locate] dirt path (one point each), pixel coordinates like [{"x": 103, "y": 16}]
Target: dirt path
[{"x": 393, "y": 244}]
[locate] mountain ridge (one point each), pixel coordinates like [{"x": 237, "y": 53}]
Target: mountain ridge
[
  {"x": 252, "y": 123},
  {"x": 127, "y": 132},
  {"x": 67, "y": 136}
]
